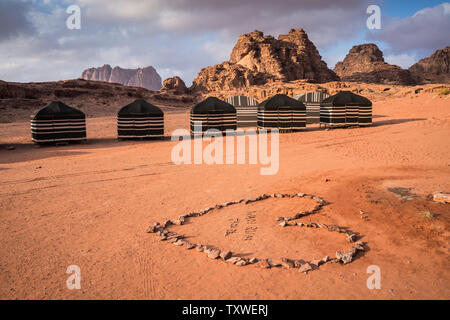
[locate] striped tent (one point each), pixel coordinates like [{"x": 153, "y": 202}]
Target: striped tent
[
  {"x": 140, "y": 119},
  {"x": 312, "y": 101},
  {"x": 281, "y": 112},
  {"x": 346, "y": 108},
  {"x": 246, "y": 110},
  {"x": 212, "y": 113},
  {"x": 57, "y": 122}
]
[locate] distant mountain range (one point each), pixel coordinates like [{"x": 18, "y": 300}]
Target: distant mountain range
[{"x": 142, "y": 77}]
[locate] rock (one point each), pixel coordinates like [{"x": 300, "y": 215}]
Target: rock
[
  {"x": 263, "y": 264},
  {"x": 152, "y": 229},
  {"x": 305, "y": 267},
  {"x": 441, "y": 197},
  {"x": 178, "y": 243},
  {"x": 214, "y": 254},
  {"x": 166, "y": 223},
  {"x": 10, "y": 148},
  {"x": 199, "y": 248},
  {"x": 189, "y": 245},
  {"x": 351, "y": 237},
  {"x": 241, "y": 263},
  {"x": 253, "y": 260},
  {"x": 345, "y": 257},
  {"x": 434, "y": 69},
  {"x": 287, "y": 263},
  {"x": 359, "y": 246},
  {"x": 299, "y": 263},
  {"x": 316, "y": 262},
  {"x": 146, "y": 77},
  {"x": 274, "y": 263},
  {"x": 233, "y": 260},
  {"x": 325, "y": 259},
  {"x": 257, "y": 59},
  {"x": 177, "y": 222},
  {"x": 279, "y": 195},
  {"x": 225, "y": 255},
  {"x": 365, "y": 63},
  {"x": 283, "y": 223},
  {"x": 162, "y": 237},
  {"x": 207, "y": 249},
  {"x": 174, "y": 84}
]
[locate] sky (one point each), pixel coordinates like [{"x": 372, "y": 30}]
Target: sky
[{"x": 179, "y": 37}]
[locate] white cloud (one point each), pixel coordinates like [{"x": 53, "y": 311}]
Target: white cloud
[
  {"x": 421, "y": 34},
  {"x": 403, "y": 60}
]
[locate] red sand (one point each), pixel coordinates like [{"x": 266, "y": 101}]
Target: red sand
[{"x": 90, "y": 205}]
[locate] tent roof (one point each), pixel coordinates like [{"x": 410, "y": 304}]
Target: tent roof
[
  {"x": 213, "y": 105},
  {"x": 140, "y": 107},
  {"x": 244, "y": 101},
  {"x": 312, "y": 97},
  {"x": 281, "y": 100},
  {"x": 58, "y": 109},
  {"x": 343, "y": 98}
]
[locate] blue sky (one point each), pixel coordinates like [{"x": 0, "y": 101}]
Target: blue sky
[
  {"x": 403, "y": 9},
  {"x": 179, "y": 37}
]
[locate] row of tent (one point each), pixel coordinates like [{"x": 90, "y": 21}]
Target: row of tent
[{"x": 140, "y": 119}]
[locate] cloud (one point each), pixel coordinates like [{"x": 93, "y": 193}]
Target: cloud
[
  {"x": 13, "y": 19},
  {"x": 179, "y": 36},
  {"x": 403, "y": 60},
  {"x": 421, "y": 34}
]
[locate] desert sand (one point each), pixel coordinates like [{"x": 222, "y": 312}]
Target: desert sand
[{"x": 91, "y": 204}]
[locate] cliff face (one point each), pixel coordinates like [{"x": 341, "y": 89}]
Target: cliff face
[
  {"x": 258, "y": 59},
  {"x": 434, "y": 69},
  {"x": 365, "y": 63},
  {"x": 142, "y": 77}
]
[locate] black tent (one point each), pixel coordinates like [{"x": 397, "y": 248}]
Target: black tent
[
  {"x": 312, "y": 101},
  {"x": 212, "y": 113},
  {"x": 140, "y": 119},
  {"x": 281, "y": 112},
  {"x": 246, "y": 110},
  {"x": 346, "y": 107},
  {"x": 58, "y": 122}
]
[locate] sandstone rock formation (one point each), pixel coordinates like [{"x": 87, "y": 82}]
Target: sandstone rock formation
[
  {"x": 365, "y": 63},
  {"x": 257, "y": 59},
  {"x": 434, "y": 69},
  {"x": 175, "y": 84},
  {"x": 142, "y": 77}
]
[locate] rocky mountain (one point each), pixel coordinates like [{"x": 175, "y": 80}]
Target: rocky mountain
[
  {"x": 175, "y": 85},
  {"x": 365, "y": 63},
  {"x": 257, "y": 59},
  {"x": 434, "y": 69},
  {"x": 142, "y": 77}
]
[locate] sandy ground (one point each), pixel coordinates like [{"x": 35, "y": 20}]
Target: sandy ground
[{"x": 90, "y": 205}]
